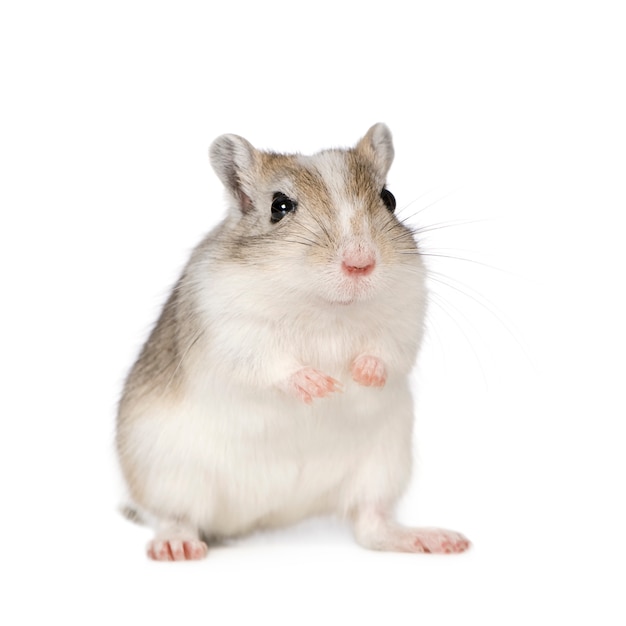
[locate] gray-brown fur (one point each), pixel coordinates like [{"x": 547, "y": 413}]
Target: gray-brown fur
[
  {"x": 248, "y": 238},
  {"x": 252, "y": 240},
  {"x": 274, "y": 385}
]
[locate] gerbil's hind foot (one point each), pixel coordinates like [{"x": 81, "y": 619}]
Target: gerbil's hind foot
[
  {"x": 436, "y": 541},
  {"x": 308, "y": 383},
  {"x": 369, "y": 371},
  {"x": 177, "y": 550},
  {"x": 377, "y": 532},
  {"x": 175, "y": 542}
]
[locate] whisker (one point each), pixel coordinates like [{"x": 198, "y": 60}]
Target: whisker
[
  {"x": 405, "y": 235},
  {"x": 412, "y": 202},
  {"x": 192, "y": 343},
  {"x": 305, "y": 242},
  {"x": 439, "y": 300},
  {"x": 265, "y": 239},
  {"x": 431, "y": 204},
  {"x": 322, "y": 226},
  {"x": 478, "y": 299},
  {"x": 460, "y": 258},
  {"x": 419, "y": 230},
  {"x": 307, "y": 228}
]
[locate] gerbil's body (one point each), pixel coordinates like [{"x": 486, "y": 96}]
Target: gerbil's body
[{"x": 275, "y": 383}]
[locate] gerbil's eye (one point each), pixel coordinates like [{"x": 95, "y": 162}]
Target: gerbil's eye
[
  {"x": 281, "y": 205},
  {"x": 389, "y": 199}
]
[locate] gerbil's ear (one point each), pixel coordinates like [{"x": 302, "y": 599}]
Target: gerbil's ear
[
  {"x": 233, "y": 159},
  {"x": 378, "y": 145}
]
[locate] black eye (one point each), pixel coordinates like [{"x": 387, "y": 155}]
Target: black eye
[
  {"x": 389, "y": 199},
  {"x": 281, "y": 205}
]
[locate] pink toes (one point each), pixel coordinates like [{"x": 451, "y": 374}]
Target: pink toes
[
  {"x": 308, "y": 383},
  {"x": 439, "y": 541},
  {"x": 369, "y": 371},
  {"x": 378, "y": 531},
  {"x": 177, "y": 550}
]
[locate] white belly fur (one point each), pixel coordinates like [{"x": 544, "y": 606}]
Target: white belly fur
[{"x": 230, "y": 460}]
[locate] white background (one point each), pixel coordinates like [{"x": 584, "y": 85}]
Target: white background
[{"x": 509, "y": 115}]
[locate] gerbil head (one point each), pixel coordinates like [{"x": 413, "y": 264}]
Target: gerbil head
[{"x": 321, "y": 224}]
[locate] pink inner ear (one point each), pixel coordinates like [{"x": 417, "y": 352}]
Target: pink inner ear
[{"x": 245, "y": 202}]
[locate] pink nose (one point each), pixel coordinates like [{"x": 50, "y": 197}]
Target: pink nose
[{"x": 358, "y": 266}]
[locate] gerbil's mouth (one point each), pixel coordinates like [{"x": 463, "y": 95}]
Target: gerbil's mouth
[
  {"x": 342, "y": 302},
  {"x": 350, "y": 290},
  {"x": 351, "y": 280}
]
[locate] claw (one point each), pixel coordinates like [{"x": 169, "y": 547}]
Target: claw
[
  {"x": 177, "y": 550},
  {"x": 308, "y": 383}
]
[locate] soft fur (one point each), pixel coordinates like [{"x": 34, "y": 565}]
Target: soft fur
[{"x": 274, "y": 385}]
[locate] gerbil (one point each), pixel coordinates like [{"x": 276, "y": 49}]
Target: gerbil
[{"x": 274, "y": 385}]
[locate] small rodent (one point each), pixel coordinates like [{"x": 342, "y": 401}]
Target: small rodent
[{"x": 275, "y": 384}]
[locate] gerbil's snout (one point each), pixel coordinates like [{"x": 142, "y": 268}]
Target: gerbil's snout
[{"x": 358, "y": 262}]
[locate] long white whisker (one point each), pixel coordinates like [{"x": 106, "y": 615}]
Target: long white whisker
[
  {"x": 481, "y": 301},
  {"x": 439, "y": 300}
]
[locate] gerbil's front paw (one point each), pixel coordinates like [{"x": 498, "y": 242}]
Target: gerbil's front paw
[
  {"x": 177, "y": 550},
  {"x": 308, "y": 383},
  {"x": 369, "y": 371}
]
